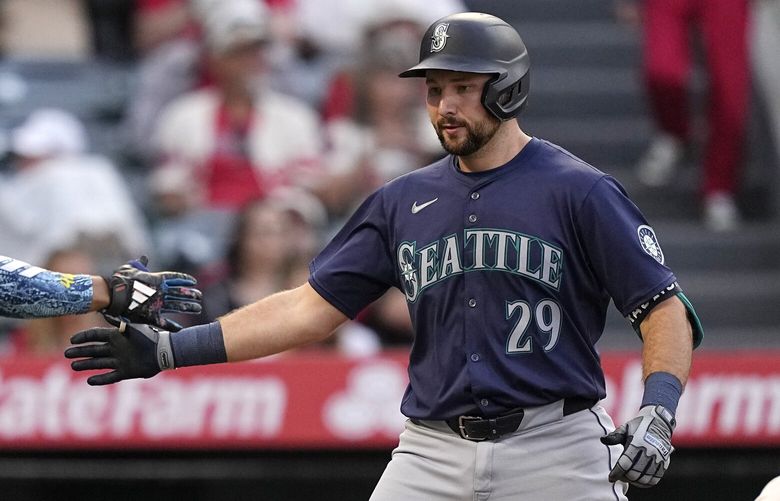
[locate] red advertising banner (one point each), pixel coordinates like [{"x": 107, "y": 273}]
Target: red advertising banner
[
  {"x": 326, "y": 401},
  {"x": 731, "y": 399}
]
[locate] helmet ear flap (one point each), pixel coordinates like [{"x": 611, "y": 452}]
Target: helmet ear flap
[{"x": 504, "y": 97}]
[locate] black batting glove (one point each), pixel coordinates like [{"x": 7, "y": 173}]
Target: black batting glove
[
  {"x": 131, "y": 350},
  {"x": 647, "y": 442},
  {"x": 143, "y": 297}
]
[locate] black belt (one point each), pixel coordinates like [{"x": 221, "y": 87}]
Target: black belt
[{"x": 478, "y": 428}]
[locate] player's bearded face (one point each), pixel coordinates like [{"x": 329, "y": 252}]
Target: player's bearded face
[{"x": 475, "y": 136}]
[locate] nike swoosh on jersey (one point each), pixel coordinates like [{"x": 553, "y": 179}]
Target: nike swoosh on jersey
[{"x": 417, "y": 208}]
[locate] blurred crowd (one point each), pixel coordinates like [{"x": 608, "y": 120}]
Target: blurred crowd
[{"x": 253, "y": 128}]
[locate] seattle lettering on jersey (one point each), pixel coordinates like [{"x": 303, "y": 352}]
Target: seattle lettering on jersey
[{"x": 482, "y": 249}]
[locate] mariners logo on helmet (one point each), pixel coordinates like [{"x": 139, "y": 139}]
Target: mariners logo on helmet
[
  {"x": 650, "y": 243},
  {"x": 439, "y": 37}
]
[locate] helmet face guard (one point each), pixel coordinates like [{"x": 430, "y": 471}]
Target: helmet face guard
[{"x": 479, "y": 43}]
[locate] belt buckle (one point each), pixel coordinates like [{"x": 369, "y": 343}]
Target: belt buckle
[{"x": 462, "y": 427}]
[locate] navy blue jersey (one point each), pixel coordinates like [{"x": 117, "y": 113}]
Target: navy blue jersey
[{"x": 507, "y": 273}]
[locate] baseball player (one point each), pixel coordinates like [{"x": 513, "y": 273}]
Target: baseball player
[
  {"x": 132, "y": 292},
  {"x": 508, "y": 251}
]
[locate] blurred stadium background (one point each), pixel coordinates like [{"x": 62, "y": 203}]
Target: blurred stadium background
[{"x": 587, "y": 96}]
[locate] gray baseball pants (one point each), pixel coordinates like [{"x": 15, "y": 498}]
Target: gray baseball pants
[{"x": 550, "y": 457}]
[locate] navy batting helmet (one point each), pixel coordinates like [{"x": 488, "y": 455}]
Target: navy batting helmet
[{"x": 473, "y": 42}]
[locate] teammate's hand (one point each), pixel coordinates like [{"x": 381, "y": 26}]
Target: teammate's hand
[
  {"x": 141, "y": 296},
  {"x": 131, "y": 350},
  {"x": 647, "y": 442}
]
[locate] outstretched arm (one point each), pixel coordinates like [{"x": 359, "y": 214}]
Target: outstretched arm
[{"x": 277, "y": 323}]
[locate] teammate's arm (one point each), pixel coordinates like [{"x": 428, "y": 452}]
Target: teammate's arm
[
  {"x": 277, "y": 323},
  {"x": 131, "y": 291},
  {"x": 101, "y": 294}
]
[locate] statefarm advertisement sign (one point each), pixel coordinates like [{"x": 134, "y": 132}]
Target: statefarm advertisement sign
[{"x": 325, "y": 401}]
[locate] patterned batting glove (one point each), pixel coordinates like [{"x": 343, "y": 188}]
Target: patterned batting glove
[
  {"x": 142, "y": 296},
  {"x": 647, "y": 442},
  {"x": 131, "y": 350}
]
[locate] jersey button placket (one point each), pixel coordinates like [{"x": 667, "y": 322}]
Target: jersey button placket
[
  {"x": 472, "y": 218},
  {"x": 473, "y": 344}
]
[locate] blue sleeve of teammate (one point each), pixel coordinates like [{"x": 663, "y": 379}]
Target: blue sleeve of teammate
[
  {"x": 622, "y": 248},
  {"x": 356, "y": 268},
  {"x": 29, "y": 292}
]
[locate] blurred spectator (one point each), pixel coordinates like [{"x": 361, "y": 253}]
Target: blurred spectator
[
  {"x": 389, "y": 318},
  {"x": 765, "y": 43},
  {"x": 50, "y": 29},
  {"x": 270, "y": 250},
  {"x": 50, "y": 336},
  {"x": 169, "y": 39},
  {"x": 259, "y": 257},
  {"x": 337, "y": 26},
  {"x": 324, "y": 35},
  {"x": 385, "y": 324},
  {"x": 667, "y": 64},
  {"x": 239, "y": 139},
  {"x": 376, "y": 129},
  {"x": 186, "y": 235},
  {"x": 59, "y": 194},
  {"x": 160, "y": 21},
  {"x": 166, "y": 36},
  {"x": 307, "y": 225},
  {"x": 111, "y": 25}
]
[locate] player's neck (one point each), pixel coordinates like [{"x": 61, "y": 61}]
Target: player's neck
[{"x": 503, "y": 147}]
